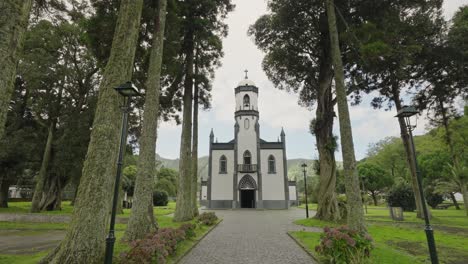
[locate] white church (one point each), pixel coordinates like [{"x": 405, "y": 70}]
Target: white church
[{"x": 247, "y": 172}]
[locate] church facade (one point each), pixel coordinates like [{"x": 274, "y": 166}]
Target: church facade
[{"x": 247, "y": 172}]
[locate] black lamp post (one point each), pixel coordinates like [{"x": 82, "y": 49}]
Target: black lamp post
[
  {"x": 304, "y": 166},
  {"x": 406, "y": 112},
  {"x": 127, "y": 90}
]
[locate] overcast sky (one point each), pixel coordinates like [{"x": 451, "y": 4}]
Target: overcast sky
[{"x": 277, "y": 108}]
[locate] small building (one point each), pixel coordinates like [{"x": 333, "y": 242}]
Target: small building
[{"x": 247, "y": 172}]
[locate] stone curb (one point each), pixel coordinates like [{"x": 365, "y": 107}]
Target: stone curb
[
  {"x": 304, "y": 247},
  {"x": 196, "y": 243},
  {"x": 43, "y": 218}
]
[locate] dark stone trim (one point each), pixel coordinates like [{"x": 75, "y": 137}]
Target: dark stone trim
[
  {"x": 210, "y": 175},
  {"x": 292, "y": 183},
  {"x": 246, "y": 88},
  {"x": 285, "y": 167},
  {"x": 246, "y": 113},
  {"x": 222, "y": 146},
  {"x": 204, "y": 183},
  {"x": 271, "y": 145},
  {"x": 275, "y": 204},
  {"x": 221, "y": 204},
  {"x": 235, "y": 200},
  {"x": 259, "y": 168}
]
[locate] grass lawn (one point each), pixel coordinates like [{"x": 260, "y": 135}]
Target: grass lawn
[
  {"x": 25, "y": 207},
  {"x": 27, "y": 229},
  {"x": 405, "y": 241}
]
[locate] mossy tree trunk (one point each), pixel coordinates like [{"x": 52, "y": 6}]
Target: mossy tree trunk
[
  {"x": 85, "y": 238},
  {"x": 184, "y": 208},
  {"x": 327, "y": 208},
  {"x": 195, "y": 141},
  {"x": 43, "y": 172},
  {"x": 354, "y": 203},
  {"x": 4, "y": 186},
  {"x": 142, "y": 219},
  {"x": 14, "y": 16}
]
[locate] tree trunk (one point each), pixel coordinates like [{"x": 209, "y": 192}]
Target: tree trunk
[
  {"x": 327, "y": 208},
  {"x": 4, "y": 186},
  {"x": 353, "y": 194},
  {"x": 454, "y": 200},
  {"x": 184, "y": 209},
  {"x": 374, "y": 197},
  {"x": 195, "y": 141},
  {"x": 85, "y": 238},
  {"x": 14, "y": 16},
  {"x": 409, "y": 152},
  {"x": 142, "y": 219},
  {"x": 52, "y": 195},
  {"x": 43, "y": 172},
  {"x": 465, "y": 196}
]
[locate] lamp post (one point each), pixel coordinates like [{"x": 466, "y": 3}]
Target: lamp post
[
  {"x": 127, "y": 90},
  {"x": 305, "y": 189},
  {"x": 406, "y": 112}
]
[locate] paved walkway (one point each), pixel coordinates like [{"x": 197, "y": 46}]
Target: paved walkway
[{"x": 250, "y": 236}]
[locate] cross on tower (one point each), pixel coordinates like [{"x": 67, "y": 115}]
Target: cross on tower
[{"x": 246, "y": 71}]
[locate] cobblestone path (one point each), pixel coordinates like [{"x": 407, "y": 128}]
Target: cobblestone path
[{"x": 250, "y": 236}]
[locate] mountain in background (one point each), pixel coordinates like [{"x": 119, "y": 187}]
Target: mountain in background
[{"x": 294, "y": 166}]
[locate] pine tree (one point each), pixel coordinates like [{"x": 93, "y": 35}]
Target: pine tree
[
  {"x": 84, "y": 241},
  {"x": 142, "y": 219}
]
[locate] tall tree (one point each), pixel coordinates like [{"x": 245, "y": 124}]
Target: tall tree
[
  {"x": 354, "y": 203},
  {"x": 84, "y": 241},
  {"x": 304, "y": 66},
  {"x": 391, "y": 41},
  {"x": 14, "y": 16},
  {"x": 142, "y": 219}
]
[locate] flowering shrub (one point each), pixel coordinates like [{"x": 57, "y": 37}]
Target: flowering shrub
[
  {"x": 342, "y": 245},
  {"x": 207, "y": 218},
  {"x": 157, "y": 246}
]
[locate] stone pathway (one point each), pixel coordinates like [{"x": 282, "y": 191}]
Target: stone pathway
[
  {"x": 251, "y": 236},
  {"x": 28, "y": 242}
]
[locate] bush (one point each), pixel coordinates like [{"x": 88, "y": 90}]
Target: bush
[
  {"x": 160, "y": 198},
  {"x": 343, "y": 245},
  {"x": 158, "y": 246},
  {"x": 207, "y": 218},
  {"x": 434, "y": 199},
  {"x": 402, "y": 196}
]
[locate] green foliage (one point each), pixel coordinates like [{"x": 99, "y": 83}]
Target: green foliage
[
  {"x": 374, "y": 177},
  {"x": 207, "y": 218},
  {"x": 434, "y": 199},
  {"x": 160, "y": 198},
  {"x": 402, "y": 195},
  {"x": 342, "y": 245}
]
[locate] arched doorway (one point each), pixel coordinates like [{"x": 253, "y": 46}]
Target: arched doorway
[{"x": 247, "y": 188}]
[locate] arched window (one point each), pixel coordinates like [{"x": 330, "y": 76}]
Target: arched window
[
  {"x": 246, "y": 123},
  {"x": 247, "y": 157},
  {"x": 223, "y": 164},
  {"x": 271, "y": 164},
  {"x": 246, "y": 101}
]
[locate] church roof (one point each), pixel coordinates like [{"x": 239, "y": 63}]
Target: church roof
[{"x": 246, "y": 82}]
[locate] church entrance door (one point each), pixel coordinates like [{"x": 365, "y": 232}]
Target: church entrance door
[{"x": 247, "y": 198}]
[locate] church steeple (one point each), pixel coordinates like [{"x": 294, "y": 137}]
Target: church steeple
[{"x": 211, "y": 136}]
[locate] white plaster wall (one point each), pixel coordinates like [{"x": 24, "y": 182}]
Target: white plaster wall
[
  {"x": 253, "y": 101},
  {"x": 247, "y": 139},
  {"x": 273, "y": 184},
  {"x": 204, "y": 193},
  {"x": 292, "y": 193},
  {"x": 221, "y": 184}
]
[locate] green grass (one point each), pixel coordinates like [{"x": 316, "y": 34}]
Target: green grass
[
  {"x": 27, "y": 229},
  {"x": 67, "y": 209},
  {"x": 405, "y": 241}
]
